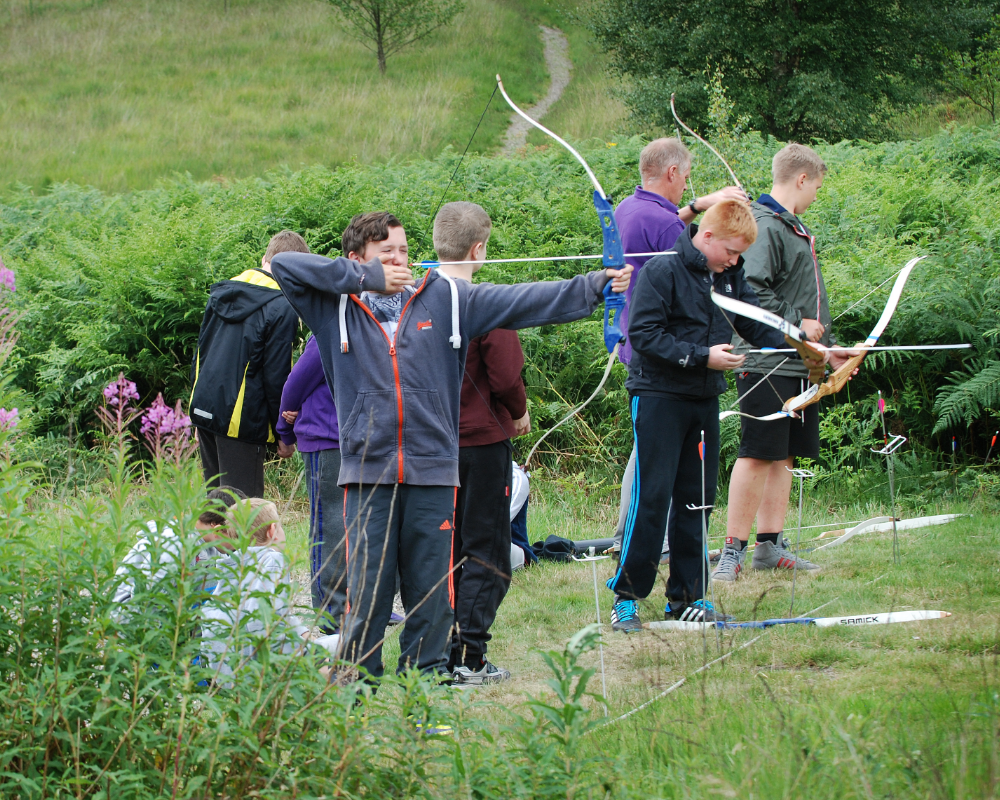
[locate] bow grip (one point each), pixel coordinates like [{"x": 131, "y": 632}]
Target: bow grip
[
  {"x": 614, "y": 303},
  {"x": 614, "y": 257}
]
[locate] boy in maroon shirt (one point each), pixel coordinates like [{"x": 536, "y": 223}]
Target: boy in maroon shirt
[{"x": 494, "y": 408}]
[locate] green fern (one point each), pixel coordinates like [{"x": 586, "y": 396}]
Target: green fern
[{"x": 967, "y": 397}]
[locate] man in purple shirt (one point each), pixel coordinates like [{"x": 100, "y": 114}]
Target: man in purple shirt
[{"x": 650, "y": 221}]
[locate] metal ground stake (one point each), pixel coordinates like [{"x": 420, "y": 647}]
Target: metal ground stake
[
  {"x": 801, "y": 474},
  {"x": 889, "y": 451}
]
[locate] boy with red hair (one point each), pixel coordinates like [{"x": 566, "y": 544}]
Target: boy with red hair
[{"x": 680, "y": 348}]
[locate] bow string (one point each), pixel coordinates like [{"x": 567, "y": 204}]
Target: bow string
[
  {"x": 839, "y": 378},
  {"x": 613, "y": 257}
]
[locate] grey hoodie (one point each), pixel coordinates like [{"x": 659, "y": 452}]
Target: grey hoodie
[{"x": 398, "y": 400}]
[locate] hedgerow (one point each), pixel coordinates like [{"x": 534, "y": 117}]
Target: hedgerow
[{"x": 111, "y": 283}]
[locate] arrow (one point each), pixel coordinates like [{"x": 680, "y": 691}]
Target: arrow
[
  {"x": 597, "y": 257},
  {"x": 883, "y": 347}
]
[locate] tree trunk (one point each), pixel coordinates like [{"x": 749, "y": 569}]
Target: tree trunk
[{"x": 379, "y": 46}]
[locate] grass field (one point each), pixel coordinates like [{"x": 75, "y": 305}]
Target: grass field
[
  {"x": 909, "y": 710},
  {"x": 118, "y": 94}
]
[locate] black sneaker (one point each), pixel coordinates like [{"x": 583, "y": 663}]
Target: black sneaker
[
  {"x": 625, "y": 616},
  {"x": 698, "y": 611}
]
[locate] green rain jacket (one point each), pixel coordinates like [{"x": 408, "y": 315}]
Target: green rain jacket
[{"x": 782, "y": 268}]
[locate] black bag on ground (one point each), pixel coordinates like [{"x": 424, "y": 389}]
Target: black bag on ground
[{"x": 555, "y": 548}]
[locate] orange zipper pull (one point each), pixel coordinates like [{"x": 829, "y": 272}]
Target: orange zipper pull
[{"x": 392, "y": 349}]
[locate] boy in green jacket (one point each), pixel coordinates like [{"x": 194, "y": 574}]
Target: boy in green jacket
[{"x": 784, "y": 272}]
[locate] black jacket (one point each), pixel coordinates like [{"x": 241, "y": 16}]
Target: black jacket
[
  {"x": 673, "y": 323},
  {"x": 243, "y": 358}
]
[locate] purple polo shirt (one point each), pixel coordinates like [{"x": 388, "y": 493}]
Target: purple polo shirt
[{"x": 647, "y": 223}]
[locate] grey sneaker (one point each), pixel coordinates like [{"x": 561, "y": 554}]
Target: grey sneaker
[
  {"x": 767, "y": 555},
  {"x": 730, "y": 564},
  {"x": 487, "y": 673}
]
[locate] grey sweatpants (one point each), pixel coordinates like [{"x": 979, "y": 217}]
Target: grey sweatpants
[
  {"x": 627, "y": 480},
  {"x": 409, "y": 528},
  {"x": 327, "y": 538}
]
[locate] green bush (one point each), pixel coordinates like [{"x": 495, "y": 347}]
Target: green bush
[
  {"x": 101, "y": 701},
  {"x": 118, "y": 282}
]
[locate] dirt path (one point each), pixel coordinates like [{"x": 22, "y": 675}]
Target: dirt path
[{"x": 559, "y": 66}]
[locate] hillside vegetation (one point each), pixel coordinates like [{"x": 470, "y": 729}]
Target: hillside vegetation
[
  {"x": 113, "y": 283},
  {"x": 117, "y": 94}
]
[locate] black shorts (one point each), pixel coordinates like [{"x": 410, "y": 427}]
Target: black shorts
[{"x": 777, "y": 439}]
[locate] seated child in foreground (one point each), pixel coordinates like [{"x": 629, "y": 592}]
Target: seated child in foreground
[
  {"x": 159, "y": 553},
  {"x": 251, "y": 601}
]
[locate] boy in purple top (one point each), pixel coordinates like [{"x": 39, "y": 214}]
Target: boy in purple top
[
  {"x": 308, "y": 419},
  {"x": 650, "y": 221}
]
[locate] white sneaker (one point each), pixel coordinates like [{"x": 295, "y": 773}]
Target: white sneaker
[{"x": 487, "y": 673}]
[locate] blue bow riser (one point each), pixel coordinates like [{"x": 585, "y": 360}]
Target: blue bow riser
[{"x": 614, "y": 257}]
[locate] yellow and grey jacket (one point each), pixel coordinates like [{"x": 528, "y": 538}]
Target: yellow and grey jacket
[{"x": 243, "y": 358}]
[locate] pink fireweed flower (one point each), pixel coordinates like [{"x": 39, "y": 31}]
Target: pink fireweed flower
[
  {"x": 161, "y": 419},
  {"x": 8, "y": 419},
  {"x": 7, "y": 279},
  {"x": 117, "y": 414},
  {"x": 121, "y": 391},
  {"x": 167, "y": 431}
]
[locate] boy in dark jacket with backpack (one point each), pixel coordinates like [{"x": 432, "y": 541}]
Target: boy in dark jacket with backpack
[
  {"x": 394, "y": 353},
  {"x": 243, "y": 357},
  {"x": 681, "y": 342}
]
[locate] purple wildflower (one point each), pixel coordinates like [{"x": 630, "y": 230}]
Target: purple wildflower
[
  {"x": 8, "y": 419},
  {"x": 167, "y": 430},
  {"x": 116, "y": 414},
  {"x": 7, "y": 279},
  {"x": 162, "y": 419},
  {"x": 120, "y": 391}
]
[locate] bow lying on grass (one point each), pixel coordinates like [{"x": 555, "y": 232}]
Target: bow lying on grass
[{"x": 886, "y": 618}]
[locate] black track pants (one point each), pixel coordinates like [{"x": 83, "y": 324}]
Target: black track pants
[
  {"x": 482, "y": 536},
  {"x": 667, "y": 435},
  {"x": 409, "y": 528},
  {"x": 327, "y": 539},
  {"x": 240, "y": 464}
]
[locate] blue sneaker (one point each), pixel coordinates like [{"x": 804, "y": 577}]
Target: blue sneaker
[
  {"x": 625, "y": 616},
  {"x": 698, "y": 611}
]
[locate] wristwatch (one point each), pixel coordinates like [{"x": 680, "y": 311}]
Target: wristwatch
[{"x": 693, "y": 207}]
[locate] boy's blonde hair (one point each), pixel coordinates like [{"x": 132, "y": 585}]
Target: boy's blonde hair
[
  {"x": 458, "y": 227},
  {"x": 794, "y": 159},
  {"x": 264, "y": 513},
  {"x": 285, "y": 242},
  {"x": 729, "y": 219},
  {"x": 660, "y": 154}
]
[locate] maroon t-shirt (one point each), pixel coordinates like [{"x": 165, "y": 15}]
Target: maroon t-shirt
[{"x": 492, "y": 390}]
